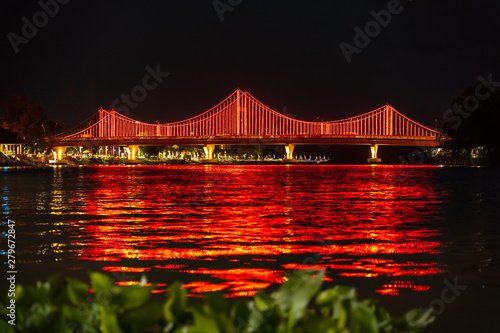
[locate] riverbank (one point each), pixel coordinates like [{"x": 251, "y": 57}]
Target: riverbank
[{"x": 143, "y": 161}]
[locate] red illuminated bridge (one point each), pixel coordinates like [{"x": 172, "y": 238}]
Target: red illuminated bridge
[{"x": 241, "y": 119}]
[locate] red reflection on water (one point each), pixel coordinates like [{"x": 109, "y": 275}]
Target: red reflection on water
[
  {"x": 204, "y": 286},
  {"x": 237, "y": 281},
  {"x": 126, "y": 269},
  {"x": 257, "y": 221},
  {"x": 394, "y": 287}
]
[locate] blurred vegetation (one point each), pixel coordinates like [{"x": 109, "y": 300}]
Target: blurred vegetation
[{"x": 299, "y": 305}]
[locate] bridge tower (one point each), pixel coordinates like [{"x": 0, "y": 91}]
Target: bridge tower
[
  {"x": 101, "y": 125},
  {"x": 389, "y": 120},
  {"x": 241, "y": 113},
  {"x": 238, "y": 120},
  {"x": 113, "y": 123}
]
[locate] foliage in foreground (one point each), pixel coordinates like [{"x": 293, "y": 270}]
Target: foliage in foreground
[{"x": 67, "y": 305}]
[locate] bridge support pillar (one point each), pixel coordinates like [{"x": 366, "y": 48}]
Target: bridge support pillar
[
  {"x": 374, "y": 158},
  {"x": 60, "y": 151},
  {"x": 209, "y": 154},
  {"x": 289, "y": 153},
  {"x": 133, "y": 150}
]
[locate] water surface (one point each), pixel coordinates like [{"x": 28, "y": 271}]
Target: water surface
[{"x": 395, "y": 232}]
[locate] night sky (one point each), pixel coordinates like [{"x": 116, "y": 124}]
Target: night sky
[{"x": 285, "y": 53}]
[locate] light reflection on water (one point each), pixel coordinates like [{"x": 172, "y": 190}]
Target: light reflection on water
[{"x": 235, "y": 228}]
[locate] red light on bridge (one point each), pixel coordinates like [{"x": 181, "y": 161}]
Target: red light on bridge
[{"x": 241, "y": 117}]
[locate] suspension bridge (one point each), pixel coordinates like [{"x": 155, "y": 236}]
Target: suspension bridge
[{"x": 241, "y": 119}]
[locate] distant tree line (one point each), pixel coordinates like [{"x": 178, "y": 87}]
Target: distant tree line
[{"x": 472, "y": 124}]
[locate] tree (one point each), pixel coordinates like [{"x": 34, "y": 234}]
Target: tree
[
  {"x": 28, "y": 119},
  {"x": 473, "y": 121}
]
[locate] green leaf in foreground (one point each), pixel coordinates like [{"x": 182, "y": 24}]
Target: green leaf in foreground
[{"x": 298, "y": 306}]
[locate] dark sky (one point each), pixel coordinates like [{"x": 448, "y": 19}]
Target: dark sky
[{"x": 285, "y": 53}]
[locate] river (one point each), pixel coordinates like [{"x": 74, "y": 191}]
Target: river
[{"x": 408, "y": 236}]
